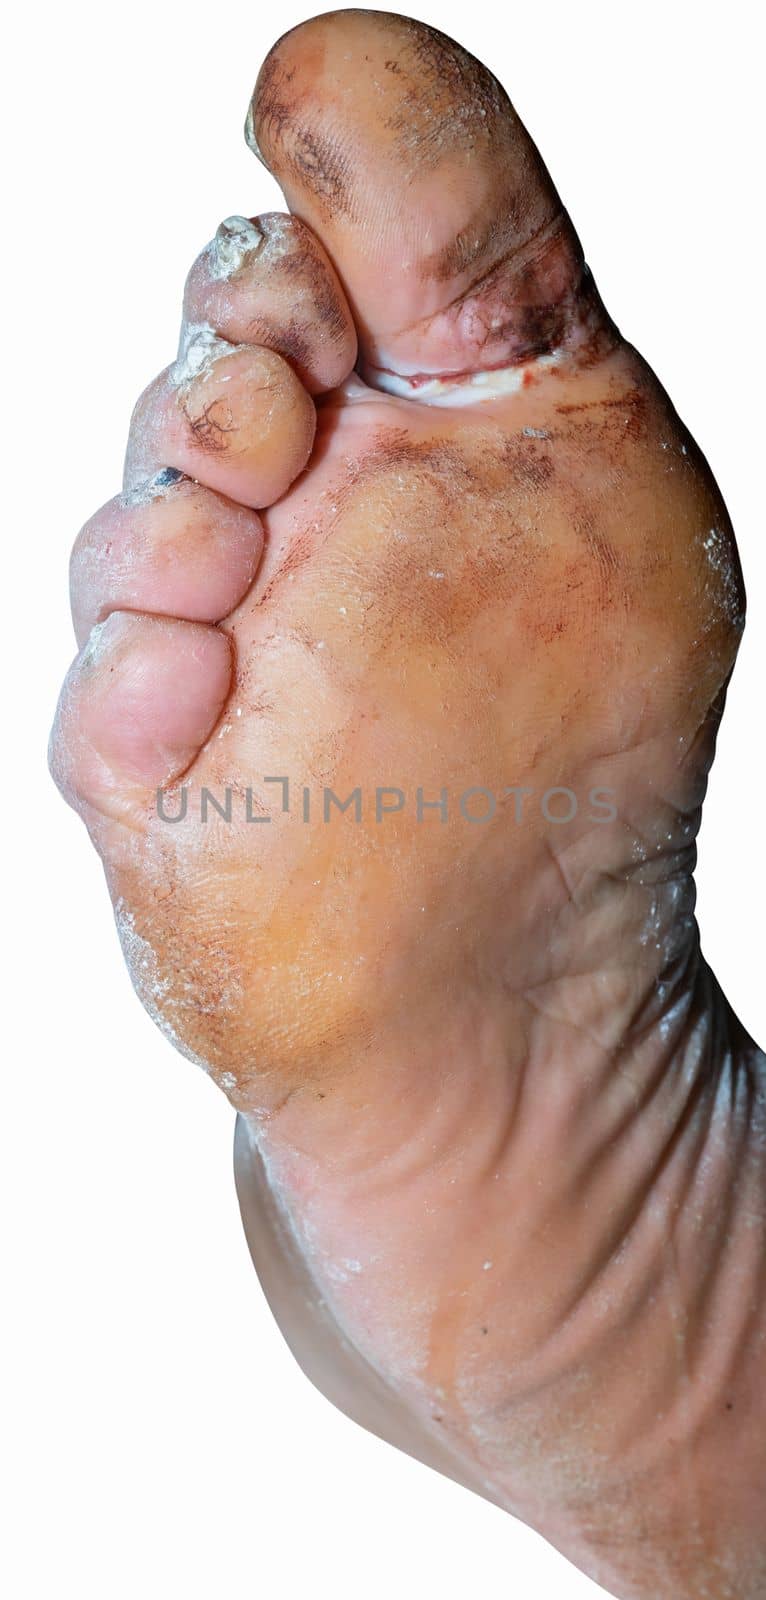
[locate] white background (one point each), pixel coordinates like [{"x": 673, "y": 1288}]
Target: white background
[{"x": 158, "y": 1439}]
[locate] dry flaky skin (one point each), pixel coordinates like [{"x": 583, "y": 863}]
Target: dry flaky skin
[{"x": 501, "y": 1144}]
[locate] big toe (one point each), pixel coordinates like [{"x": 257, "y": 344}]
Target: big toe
[{"x": 405, "y": 155}]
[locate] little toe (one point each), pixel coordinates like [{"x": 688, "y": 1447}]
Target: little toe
[{"x": 136, "y": 707}]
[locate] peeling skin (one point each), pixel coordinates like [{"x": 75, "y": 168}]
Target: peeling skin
[
  {"x": 151, "y": 988},
  {"x": 458, "y": 389},
  {"x": 95, "y": 644},
  {"x": 200, "y": 348}
]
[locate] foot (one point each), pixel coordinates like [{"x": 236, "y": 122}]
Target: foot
[{"x": 402, "y": 654}]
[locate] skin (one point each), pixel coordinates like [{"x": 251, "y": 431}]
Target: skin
[{"x": 500, "y": 1146}]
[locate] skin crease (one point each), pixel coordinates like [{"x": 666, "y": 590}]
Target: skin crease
[{"x": 501, "y": 1140}]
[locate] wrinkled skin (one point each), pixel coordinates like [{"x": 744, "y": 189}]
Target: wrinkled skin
[{"x": 500, "y": 1149}]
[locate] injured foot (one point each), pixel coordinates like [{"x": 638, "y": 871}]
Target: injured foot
[{"x": 402, "y": 655}]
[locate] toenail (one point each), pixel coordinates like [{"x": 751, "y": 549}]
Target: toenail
[
  {"x": 200, "y": 347},
  {"x": 103, "y": 638},
  {"x": 250, "y": 139},
  {"x": 155, "y": 488},
  {"x": 236, "y": 239}
]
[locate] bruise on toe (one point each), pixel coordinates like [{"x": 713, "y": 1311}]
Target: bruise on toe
[
  {"x": 280, "y": 121},
  {"x": 212, "y": 427},
  {"x": 445, "y": 96},
  {"x": 379, "y": 127},
  {"x": 321, "y": 164},
  {"x": 477, "y": 242},
  {"x": 292, "y": 339},
  {"x": 530, "y": 301},
  {"x": 306, "y": 272}
]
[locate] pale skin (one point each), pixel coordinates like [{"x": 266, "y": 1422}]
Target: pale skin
[{"x": 500, "y": 1145}]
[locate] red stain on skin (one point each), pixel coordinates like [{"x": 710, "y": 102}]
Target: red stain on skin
[{"x": 418, "y": 379}]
